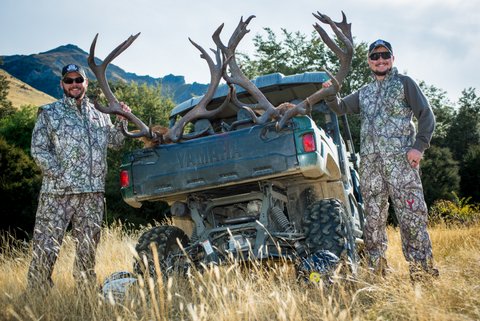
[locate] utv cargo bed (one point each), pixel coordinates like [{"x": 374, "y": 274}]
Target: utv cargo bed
[{"x": 232, "y": 158}]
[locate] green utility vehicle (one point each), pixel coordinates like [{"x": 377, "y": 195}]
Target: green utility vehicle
[{"x": 246, "y": 191}]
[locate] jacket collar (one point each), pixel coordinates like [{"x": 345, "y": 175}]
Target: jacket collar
[{"x": 72, "y": 102}]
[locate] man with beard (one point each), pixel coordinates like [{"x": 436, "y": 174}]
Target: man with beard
[
  {"x": 69, "y": 144},
  {"x": 390, "y": 153}
]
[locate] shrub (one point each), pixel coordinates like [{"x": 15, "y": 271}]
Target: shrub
[{"x": 457, "y": 212}]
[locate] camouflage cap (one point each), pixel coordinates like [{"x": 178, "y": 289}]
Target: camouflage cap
[
  {"x": 380, "y": 43},
  {"x": 73, "y": 68}
]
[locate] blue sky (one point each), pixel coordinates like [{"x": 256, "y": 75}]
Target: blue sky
[{"x": 433, "y": 40}]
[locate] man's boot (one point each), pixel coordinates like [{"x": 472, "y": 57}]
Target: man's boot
[{"x": 423, "y": 271}]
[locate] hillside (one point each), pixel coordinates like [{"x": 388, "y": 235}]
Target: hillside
[
  {"x": 21, "y": 93},
  {"x": 42, "y": 72}
]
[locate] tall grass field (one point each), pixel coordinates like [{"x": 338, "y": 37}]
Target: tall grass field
[{"x": 236, "y": 292}]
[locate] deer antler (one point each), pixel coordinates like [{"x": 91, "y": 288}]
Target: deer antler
[
  {"x": 114, "y": 106},
  {"x": 343, "y": 31},
  {"x": 237, "y": 77},
  {"x": 286, "y": 111},
  {"x": 200, "y": 111}
]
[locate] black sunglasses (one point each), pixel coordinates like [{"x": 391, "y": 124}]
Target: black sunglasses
[
  {"x": 385, "y": 55},
  {"x": 70, "y": 81}
]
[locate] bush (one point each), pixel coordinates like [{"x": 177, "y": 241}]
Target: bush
[
  {"x": 20, "y": 181},
  {"x": 454, "y": 213}
]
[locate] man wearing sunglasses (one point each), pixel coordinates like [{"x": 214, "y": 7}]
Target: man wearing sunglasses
[
  {"x": 69, "y": 144},
  {"x": 391, "y": 150}
]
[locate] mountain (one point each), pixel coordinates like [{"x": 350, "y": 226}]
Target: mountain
[
  {"x": 20, "y": 93},
  {"x": 42, "y": 71}
]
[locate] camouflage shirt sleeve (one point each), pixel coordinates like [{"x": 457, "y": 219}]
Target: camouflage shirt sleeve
[
  {"x": 422, "y": 111},
  {"x": 347, "y": 105}
]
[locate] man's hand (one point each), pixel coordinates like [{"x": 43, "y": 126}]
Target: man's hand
[
  {"x": 329, "y": 98},
  {"x": 125, "y": 108},
  {"x": 414, "y": 156}
]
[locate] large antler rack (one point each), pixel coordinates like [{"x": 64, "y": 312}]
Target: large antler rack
[
  {"x": 226, "y": 67},
  {"x": 175, "y": 133},
  {"x": 286, "y": 111}
]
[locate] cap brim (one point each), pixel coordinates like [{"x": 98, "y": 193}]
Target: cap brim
[
  {"x": 77, "y": 72},
  {"x": 370, "y": 52}
]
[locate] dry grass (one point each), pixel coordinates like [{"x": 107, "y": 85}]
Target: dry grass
[
  {"x": 21, "y": 94},
  {"x": 256, "y": 293}
]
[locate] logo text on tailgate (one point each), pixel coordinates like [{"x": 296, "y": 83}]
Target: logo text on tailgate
[{"x": 208, "y": 154}]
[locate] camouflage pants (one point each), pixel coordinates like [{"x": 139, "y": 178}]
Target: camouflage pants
[
  {"x": 54, "y": 213},
  {"x": 392, "y": 176}
]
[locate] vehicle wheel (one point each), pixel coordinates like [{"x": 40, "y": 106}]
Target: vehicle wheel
[
  {"x": 170, "y": 255},
  {"x": 327, "y": 226}
]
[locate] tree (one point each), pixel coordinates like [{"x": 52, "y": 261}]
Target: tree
[
  {"x": 6, "y": 107},
  {"x": 470, "y": 185},
  {"x": 444, "y": 112},
  {"x": 20, "y": 181},
  {"x": 439, "y": 173},
  {"x": 147, "y": 102},
  {"x": 295, "y": 53},
  {"x": 17, "y": 127},
  {"x": 463, "y": 138},
  {"x": 465, "y": 128}
]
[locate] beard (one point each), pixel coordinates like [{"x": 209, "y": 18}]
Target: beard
[
  {"x": 382, "y": 73},
  {"x": 77, "y": 96}
]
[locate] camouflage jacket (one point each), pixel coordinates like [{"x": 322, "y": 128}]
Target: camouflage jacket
[
  {"x": 386, "y": 111},
  {"x": 70, "y": 146}
]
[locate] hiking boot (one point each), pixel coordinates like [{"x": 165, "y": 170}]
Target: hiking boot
[{"x": 423, "y": 271}]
